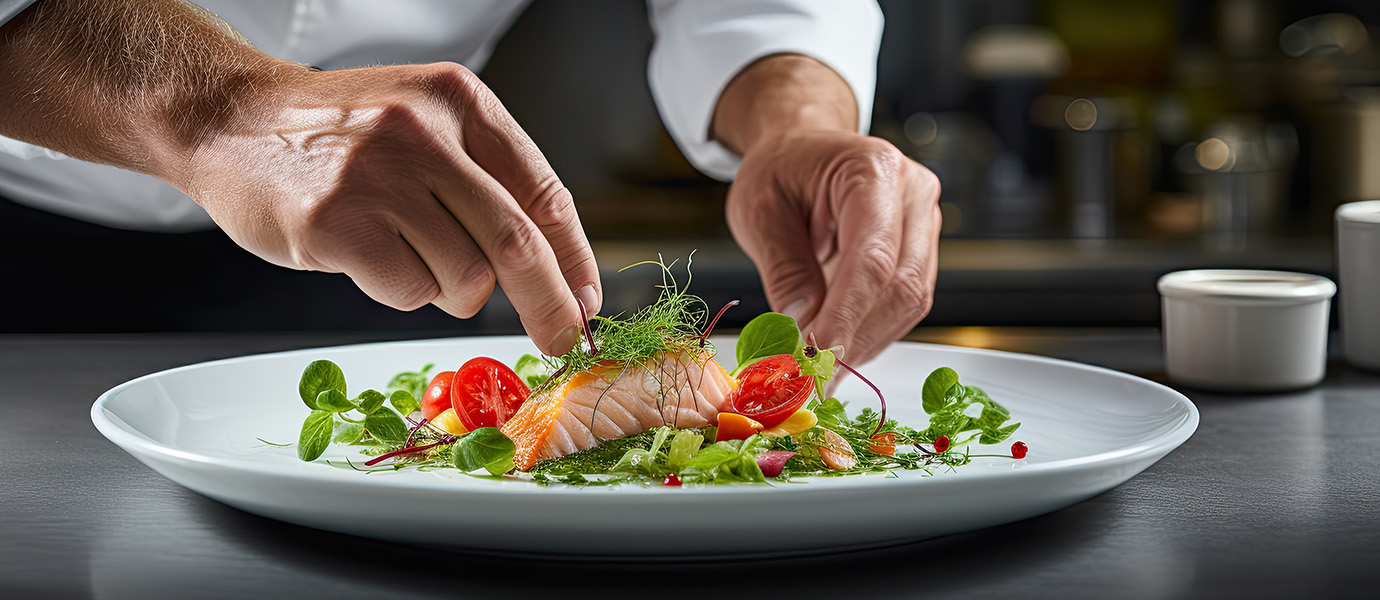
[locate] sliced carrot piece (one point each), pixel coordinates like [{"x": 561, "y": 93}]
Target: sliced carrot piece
[
  {"x": 836, "y": 453},
  {"x": 884, "y": 443},
  {"x": 733, "y": 426}
]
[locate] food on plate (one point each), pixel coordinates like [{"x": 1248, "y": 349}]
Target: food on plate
[{"x": 644, "y": 401}]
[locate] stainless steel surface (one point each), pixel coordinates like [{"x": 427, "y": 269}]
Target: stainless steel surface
[{"x": 1273, "y": 497}]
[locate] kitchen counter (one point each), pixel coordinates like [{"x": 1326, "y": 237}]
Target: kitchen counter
[{"x": 1274, "y": 496}]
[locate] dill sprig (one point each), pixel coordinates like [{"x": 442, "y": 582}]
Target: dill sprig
[{"x": 670, "y": 324}]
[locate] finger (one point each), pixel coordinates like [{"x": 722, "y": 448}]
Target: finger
[
  {"x": 911, "y": 294},
  {"x": 459, "y": 268},
  {"x": 523, "y": 262},
  {"x": 870, "y": 234},
  {"x": 770, "y": 233},
  {"x": 377, "y": 259},
  {"x": 495, "y": 141}
]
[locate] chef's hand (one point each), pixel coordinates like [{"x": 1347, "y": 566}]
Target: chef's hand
[
  {"x": 412, "y": 180},
  {"x": 843, "y": 228}
]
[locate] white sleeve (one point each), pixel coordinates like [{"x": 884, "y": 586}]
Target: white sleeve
[
  {"x": 701, "y": 44},
  {"x": 9, "y": 9}
]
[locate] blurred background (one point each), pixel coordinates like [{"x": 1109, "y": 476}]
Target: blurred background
[{"x": 1085, "y": 148}]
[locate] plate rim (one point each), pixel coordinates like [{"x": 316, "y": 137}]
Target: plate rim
[{"x": 121, "y": 435}]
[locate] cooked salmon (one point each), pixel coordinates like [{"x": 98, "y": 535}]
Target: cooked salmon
[{"x": 686, "y": 389}]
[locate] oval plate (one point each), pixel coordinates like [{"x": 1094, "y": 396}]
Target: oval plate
[{"x": 1089, "y": 429}]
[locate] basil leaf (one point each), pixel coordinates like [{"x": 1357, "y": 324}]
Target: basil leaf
[
  {"x": 315, "y": 436},
  {"x": 935, "y": 393},
  {"x": 485, "y": 448},
  {"x": 404, "y": 401},
  {"x": 348, "y": 433},
  {"x": 386, "y": 426},
  {"x": 369, "y": 401},
  {"x": 531, "y": 370},
  {"x": 320, "y": 375},
  {"x": 997, "y": 436},
  {"x": 766, "y": 335},
  {"x": 333, "y": 401}
]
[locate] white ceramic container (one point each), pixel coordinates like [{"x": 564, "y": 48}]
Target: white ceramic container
[
  {"x": 1245, "y": 330},
  {"x": 1358, "y": 272}
]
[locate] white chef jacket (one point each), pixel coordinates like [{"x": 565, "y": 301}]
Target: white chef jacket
[{"x": 700, "y": 45}]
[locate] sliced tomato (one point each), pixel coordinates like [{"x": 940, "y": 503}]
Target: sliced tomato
[
  {"x": 437, "y": 397},
  {"x": 772, "y": 389},
  {"x": 485, "y": 393}
]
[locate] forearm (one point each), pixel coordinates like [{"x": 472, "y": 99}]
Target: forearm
[
  {"x": 132, "y": 83},
  {"x": 784, "y": 92}
]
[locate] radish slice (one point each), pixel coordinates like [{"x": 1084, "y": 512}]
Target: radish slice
[{"x": 771, "y": 462}]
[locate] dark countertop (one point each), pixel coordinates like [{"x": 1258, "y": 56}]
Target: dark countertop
[{"x": 1274, "y": 496}]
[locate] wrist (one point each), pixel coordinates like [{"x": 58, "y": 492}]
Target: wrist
[
  {"x": 781, "y": 95},
  {"x": 227, "y": 101}
]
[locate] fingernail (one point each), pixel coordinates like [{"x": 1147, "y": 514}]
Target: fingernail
[
  {"x": 565, "y": 339},
  {"x": 589, "y": 298},
  {"x": 796, "y": 310}
]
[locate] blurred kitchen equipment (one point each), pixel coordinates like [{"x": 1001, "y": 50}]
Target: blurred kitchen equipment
[
  {"x": 1240, "y": 174},
  {"x": 1358, "y": 271},
  {"x": 1100, "y": 152},
  {"x": 1245, "y": 330}
]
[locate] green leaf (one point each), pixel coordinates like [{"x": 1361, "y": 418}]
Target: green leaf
[
  {"x": 831, "y": 412},
  {"x": 333, "y": 401},
  {"x": 404, "y": 401},
  {"x": 638, "y": 461},
  {"x": 531, "y": 370},
  {"x": 320, "y": 375},
  {"x": 935, "y": 393},
  {"x": 413, "y": 382},
  {"x": 766, "y": 335},
  {"x": 369, "y": 401},
  {"x": 315, "y": 436},
  {"x": 348, "y": 433},
  {"x": 386, "y": 426},
  {"x": 485, "y": 448},
  {"x": 998, "y": 436},
  {"x": 684, "y": 447}
]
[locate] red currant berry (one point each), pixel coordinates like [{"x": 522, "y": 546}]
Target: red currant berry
[
  {"x": 671, "y": 480},
  {"x": 1018, "y": 450},
  {"x": 941, "y": 444}
]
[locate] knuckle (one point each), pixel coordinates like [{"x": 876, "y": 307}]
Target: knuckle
[
  {"x": 913, "y": 294},
  {"x": 876, "y": 260},
  {"x": 870, "y": 163},
  {"x": 786, "y": 277},
  {"x": 553, "y": 205},
  {"x": 477, "y": 282},
  {"x": 518, "y": 247}
]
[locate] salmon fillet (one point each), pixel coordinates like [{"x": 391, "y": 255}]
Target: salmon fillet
[{"x": 686, "y": 389}]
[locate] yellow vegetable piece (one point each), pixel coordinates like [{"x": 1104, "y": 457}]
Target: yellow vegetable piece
[
  {"x": 449, "y": 422},
  {"x": 733, "y": 426},
  {"x": 799, "y": 421}
]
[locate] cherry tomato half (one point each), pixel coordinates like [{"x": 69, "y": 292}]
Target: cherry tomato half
[
  {"x": 485, "y": 393},
  {"x": 437, "y": 397},
  {"x": 772, "y": 389}
]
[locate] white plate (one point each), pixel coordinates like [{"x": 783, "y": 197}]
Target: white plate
[{"x": 1088, "y": 429}]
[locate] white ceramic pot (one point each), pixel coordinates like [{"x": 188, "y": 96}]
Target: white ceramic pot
[
  {"x": 1245, "y": 330},
  {"x": 1358, "y": 273}
]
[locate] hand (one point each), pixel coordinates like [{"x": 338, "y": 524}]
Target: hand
[
  {"x": 412, "y": 180},
  {"x": 844, "y": 230}
]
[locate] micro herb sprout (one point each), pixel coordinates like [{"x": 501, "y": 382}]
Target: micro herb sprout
[{"x": 829, "y": 443}]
